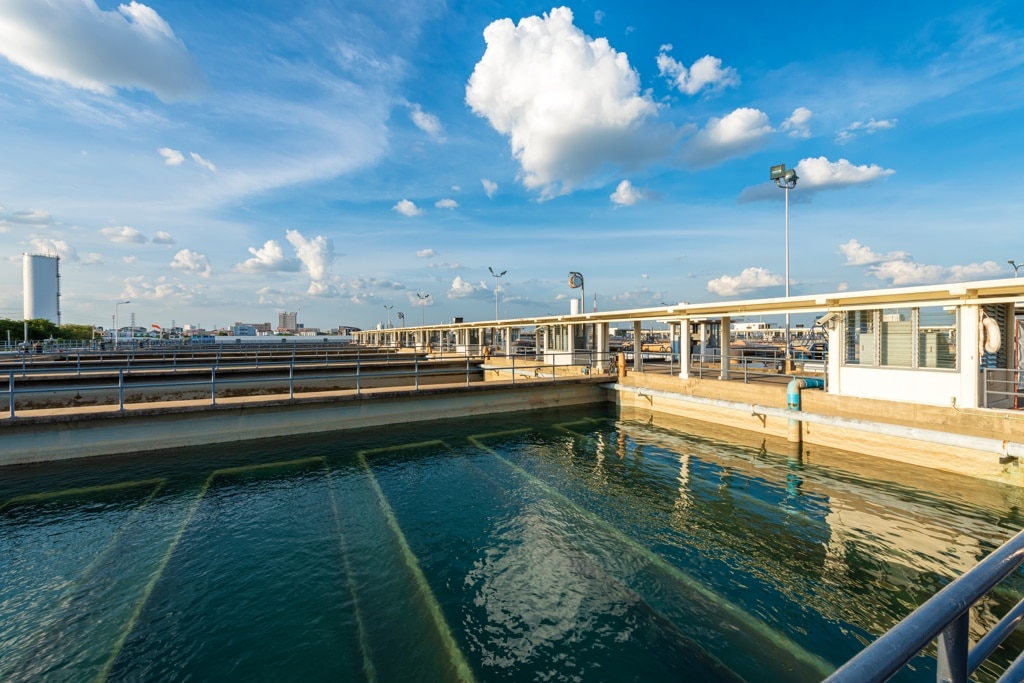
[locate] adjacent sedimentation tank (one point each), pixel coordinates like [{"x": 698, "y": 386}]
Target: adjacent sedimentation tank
[{"x": 41, "y": 274}]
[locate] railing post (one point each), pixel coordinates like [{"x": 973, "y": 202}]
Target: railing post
[
  {"x": 513, "y": 369},
  {"x": 467, "y": 367},
  {"x": 213, "y": 383},
  {"x": 10, "y": 391},
  {"x": 553, "y": 356},
  {"x": 952, "y": 655},
  {"x": 357, "y": 373},
  {"x": 291, "y": 380},
  {"x": 416, "y": 372},
  {"x": 120, "y": 390}
]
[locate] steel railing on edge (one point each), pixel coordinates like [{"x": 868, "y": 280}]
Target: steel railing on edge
[{"x": 946, "y": 617}]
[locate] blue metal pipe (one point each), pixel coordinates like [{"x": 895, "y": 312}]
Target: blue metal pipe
[{"x": 793, "y": 402}]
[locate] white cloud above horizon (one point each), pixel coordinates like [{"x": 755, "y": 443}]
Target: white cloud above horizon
[
  {"x": 900, "y": 270},
  {"x": 818, "y": 174},
  {"x": 462, "y": 289},
  {"x": 268, "y": 259},
  {"x": 407, "y": 208},
  {"x": 192, "y": 262},
  {"x": 739, "y": 133},
  {"x": 748, "y": 280},
  {"x": 625, "y": 194},
  {"x": 75, "y": 42},
  {"x": 123, "y": 235},
  {"x": 569, "y": 104},
  {"x": 704, "y": 74},
  {"x": 428, "y": 123}
]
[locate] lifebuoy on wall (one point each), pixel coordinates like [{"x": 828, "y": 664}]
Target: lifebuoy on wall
[{"x": 991, "y": 338}]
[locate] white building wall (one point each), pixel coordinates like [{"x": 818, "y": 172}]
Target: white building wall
[
  {"x": 930, "y": 387},
  {"x": 41, "y": 287}
]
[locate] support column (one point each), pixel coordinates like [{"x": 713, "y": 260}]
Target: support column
[
  {"x": 724, "y": 343},
  {"x": 638, "y": 345},
  {"x": 508, "y": 341},
  {"x": 684, "y": 348},
  {"x": 601, "y": 346}
]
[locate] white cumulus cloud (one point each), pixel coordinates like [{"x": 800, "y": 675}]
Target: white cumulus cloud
[
  {"x": 268, "y": 258},
  {"x": 821, "y": 174},
  {"x": 162, "y": 237},
  {"x": 76, "y": 42},
  {"x": 797, "y": 125},
  {"x": 192, "y": 262},
  {"x": 446, "y": 204},
  {"x": 407, "y": 208},
  {"x": 738, "y": 133},
  {"x": 462, "y": 289},
  {"x": 172, "y": 157},
  {"x": 317, "y": 256},
  {"x": 900, "y": 270},
  {"x": 490, "y": 187},
  {"x": 705, "y": 73},
  {"x": 747, "y": 281},
  {"x": 425, "y": 253},
  {"x": 626, "y": 195},
  {"x": 123, "y": 235},
  {"x": 570, "y": 104},
  {"x": 858, "y": 254}
]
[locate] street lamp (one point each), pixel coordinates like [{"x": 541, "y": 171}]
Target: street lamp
[
  {"x": 1016, "y": 266},
  {"x": 497, "y": 276},
  {"x": 116, "y": 326},
  {"x": 401, "y": 316},
  {"x": 576, "y": 282},
  {"x": 389, "y": 314},
  {"x": 423, "y": 308},
  {"x": 785, "y": 179}
]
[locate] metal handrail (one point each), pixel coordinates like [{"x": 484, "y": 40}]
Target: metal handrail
[
  {"x": 285, "y": 373},
  {"x": 946, "y": 617}
]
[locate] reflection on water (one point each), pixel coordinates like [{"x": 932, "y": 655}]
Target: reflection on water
[{"x": 559, "y": 547}]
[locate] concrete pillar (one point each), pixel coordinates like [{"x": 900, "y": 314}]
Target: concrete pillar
[
  {"x": 601, "y": 347},
  {"x": 684, "y": 348},
  {"x": 638, "y": 345},
  {"x": 508, "y": 341},
  {"x": 969, "y": 356},
  {"x": 726, "y": 351}
]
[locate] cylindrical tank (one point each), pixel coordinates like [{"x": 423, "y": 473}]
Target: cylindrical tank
[{"x": 41, "y": 278}]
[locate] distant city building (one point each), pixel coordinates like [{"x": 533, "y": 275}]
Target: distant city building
[
  {"x": 287, "y": 322},
  {"x": 243, "y": 330}
]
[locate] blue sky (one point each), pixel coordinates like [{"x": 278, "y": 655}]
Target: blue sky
[{"x": 223, "y": 162}]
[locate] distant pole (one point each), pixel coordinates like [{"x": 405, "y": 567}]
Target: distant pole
[
  {"x": 497, "y": 276},
  {"x": 1016, "y": 266},
  {"x": 785, "y": 179},
  {"x": 116, "y": 330},
  {"x": 423, "y": 308}
]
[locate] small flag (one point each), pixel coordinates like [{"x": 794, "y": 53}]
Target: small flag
[{"x": 155, "y": 326}]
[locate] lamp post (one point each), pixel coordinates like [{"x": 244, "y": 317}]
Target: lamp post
[
  {"x": 401, "y": 316},
  {"x": 423, "y": 308},
  {"x": 117, "y": 329},
  {"x": 389, "y": 314},
  {"x": 497, "y": 276},
  {"x": 576, "y": 282},
  {"x": 785, "y": 179},
  {"x": 1016, "y": 266}
]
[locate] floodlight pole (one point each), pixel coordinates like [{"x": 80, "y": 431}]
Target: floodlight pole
[
  {"x": 497, "y": 276},
  {"x": 423, "y": 308},
  {"x": 116, "y": 330},
  {"x": 389, "y": 314},
  {"x": 1016, "y": 266},
  {"x": 786, "y": 179}
]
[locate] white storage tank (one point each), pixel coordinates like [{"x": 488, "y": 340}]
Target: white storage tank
[{"x": 41, "y": 278}]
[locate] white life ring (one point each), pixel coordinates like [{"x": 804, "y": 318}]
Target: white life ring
[{"x": 991, "y": 338}]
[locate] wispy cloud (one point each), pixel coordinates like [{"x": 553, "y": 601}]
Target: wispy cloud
[
  {"x": 747, "y": 281},
  {"x": 704, "y": 74}
]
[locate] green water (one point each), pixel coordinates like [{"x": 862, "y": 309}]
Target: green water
[{"x": 555, "y": 546}]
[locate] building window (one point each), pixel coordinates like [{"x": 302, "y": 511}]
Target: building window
[
  {"x": 860, "y": 338},
  {"x": 901, "y": 338},
  {"x": 937, "y": 337}
]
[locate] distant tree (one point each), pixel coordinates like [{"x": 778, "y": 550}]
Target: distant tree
[
  {"x": 38, "y": 328},
  {"x": 69, "y": 331}
]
